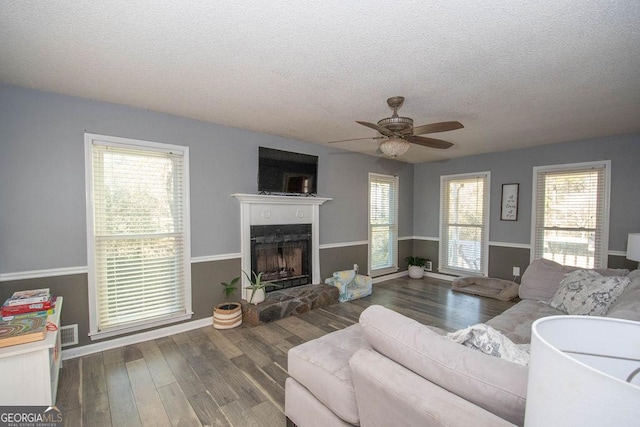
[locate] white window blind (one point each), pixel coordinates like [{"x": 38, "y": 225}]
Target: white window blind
[
  {"x": 570, "y": 214},
  {"x": 139, "y": 235},
  {"x": 464, "y": 229},
  {"x": 383, "y": 224}
]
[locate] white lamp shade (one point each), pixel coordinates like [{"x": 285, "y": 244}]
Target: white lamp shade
[
  {"x": 633, "y": 247},
  {"x": 582, "y": 372}
]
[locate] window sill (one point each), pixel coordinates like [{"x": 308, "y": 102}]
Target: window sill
[{"x": 112, "y": 332}]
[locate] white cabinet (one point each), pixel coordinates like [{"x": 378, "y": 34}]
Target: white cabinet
[{"x": 29, "y": 372}]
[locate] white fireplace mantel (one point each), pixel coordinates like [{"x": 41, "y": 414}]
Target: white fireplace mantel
[{"x": 256, "y": 209}]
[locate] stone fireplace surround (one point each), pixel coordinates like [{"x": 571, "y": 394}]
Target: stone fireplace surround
[{"x": 261, "y": 210}]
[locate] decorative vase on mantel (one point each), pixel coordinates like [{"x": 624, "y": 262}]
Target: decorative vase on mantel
[{"x": 227, "y": 315}]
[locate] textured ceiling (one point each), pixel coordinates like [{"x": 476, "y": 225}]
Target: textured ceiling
[{"x": 515, "y": 73}]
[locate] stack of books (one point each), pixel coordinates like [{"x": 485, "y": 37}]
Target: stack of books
[
  {"x": 24, "y": 316},
  {"x": 21, "y": 304}
]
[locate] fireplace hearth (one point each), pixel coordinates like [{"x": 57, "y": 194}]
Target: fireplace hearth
[{"x": 282, "y": 254}]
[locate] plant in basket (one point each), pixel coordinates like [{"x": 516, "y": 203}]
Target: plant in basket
[{"x": 228, "y": 314}]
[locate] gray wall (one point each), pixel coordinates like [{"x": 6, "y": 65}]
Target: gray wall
[
  {"x": 42, "y": 174},
  {"x": 516, "y": 166},
  {"x": 42, "y": 192}
]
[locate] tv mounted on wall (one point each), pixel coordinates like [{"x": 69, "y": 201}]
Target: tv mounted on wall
[{"x": 287, "y": 173}]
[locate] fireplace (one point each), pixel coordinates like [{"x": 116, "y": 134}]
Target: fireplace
[
  {"x": 282, "y": 254},
  {"x": 295, "y": 263}
]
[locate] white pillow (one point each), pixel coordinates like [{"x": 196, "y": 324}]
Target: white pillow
[
  {"x": 492, "y": 342},
  {"x": 587, "y": 292}
]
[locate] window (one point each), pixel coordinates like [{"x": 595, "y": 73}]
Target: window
[
  {"x": 464, "y": 228},
  {"x": 383, "y": 224},
  {"x": 137, "y": 234},
  {"x": 570, "y": 218}
]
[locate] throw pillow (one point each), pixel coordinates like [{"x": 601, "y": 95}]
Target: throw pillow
[
  {"x": 587, "y": 292},
  {"x": 492, "y": 342}
]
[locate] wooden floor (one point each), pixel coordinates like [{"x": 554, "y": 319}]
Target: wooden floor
[{"x": 234, "y": 377}]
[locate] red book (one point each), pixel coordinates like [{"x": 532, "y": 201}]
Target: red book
[{"x": 12, "y": 310}]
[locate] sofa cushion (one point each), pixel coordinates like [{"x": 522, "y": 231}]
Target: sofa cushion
[
  {"x": 491, "y": 383},
  {"x": 303, "y": 409},
  {"x": 542, "y": 278},
  {"x": 322, "y": 366},
  {"x": 627, "y": 306},
  {"x": 389, "y": 394},
  {"x": 516, "y": 321},
  {"x": 587, "y": 292}
]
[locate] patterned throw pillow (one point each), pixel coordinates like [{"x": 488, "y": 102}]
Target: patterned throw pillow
[
  {"x": 587, "y": 292},
  {"x": 492, "y": 342}
]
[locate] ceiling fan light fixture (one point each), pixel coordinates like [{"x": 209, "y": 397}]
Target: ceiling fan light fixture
[
  {"x": 402, "y": 133},
  {"x": 397, "y": 124},
  {"x": 394, "y": 147}
]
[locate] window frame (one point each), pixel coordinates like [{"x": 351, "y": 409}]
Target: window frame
[
  {"x": 393, "y": 268},
  {"x": 443, "y": 267},
  {"x": 600, "y": 261},
  {"x": 186, "y": 314}
]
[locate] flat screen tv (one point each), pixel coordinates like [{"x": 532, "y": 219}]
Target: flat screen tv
[{"x": 284, "y": 172}]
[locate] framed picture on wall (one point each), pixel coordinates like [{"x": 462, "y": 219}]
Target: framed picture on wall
[{"x": 509, "y": 205}]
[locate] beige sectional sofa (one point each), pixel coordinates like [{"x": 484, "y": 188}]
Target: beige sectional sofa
[{"x": 391, "y": 370}]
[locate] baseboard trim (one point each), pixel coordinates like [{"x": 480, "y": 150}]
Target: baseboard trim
[
  {"x": 440, "y": 276},
  {"x": 389, "y": 276},
  {"x": 88, "y": 349},
  {"x": 406, "y": 273}
]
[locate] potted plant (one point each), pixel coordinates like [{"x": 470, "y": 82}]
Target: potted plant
[
  {"x": 416, "y": 266},
  {"x": 228, "y": 314},
  {"x": 257, "y": 288}
]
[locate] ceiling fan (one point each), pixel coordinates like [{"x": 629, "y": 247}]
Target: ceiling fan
[{"x": 401, "y": 132}]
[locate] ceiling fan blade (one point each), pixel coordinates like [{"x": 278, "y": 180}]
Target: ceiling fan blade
[
  {"x": 380, "y": 129},
  {"x": 437, "y": 127},
  {"x": 356, "y": 139},
  {"x": 429, "y": 142}
]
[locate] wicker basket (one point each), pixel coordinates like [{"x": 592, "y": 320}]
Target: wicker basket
[{"x": 227, "y": 315}]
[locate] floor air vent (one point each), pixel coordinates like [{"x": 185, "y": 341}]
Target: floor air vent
[{"x": 69, "y": 335}]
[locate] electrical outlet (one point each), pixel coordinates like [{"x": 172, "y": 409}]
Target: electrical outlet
[{"x": 516, "y": 271}]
